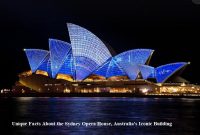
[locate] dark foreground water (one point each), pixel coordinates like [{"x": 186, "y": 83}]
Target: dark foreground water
[{"x": 183, "y": 115}]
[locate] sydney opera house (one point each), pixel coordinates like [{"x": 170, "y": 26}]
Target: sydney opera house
[{"x": 86, "y": 65}]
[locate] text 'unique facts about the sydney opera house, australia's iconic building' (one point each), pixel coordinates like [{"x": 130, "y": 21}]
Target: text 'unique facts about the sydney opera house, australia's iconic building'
[{"x": 85, "y": 64}]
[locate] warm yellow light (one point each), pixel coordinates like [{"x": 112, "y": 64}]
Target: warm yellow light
[
  {"x": 159, "y": 84},
  {"x": 40, "y": 72},
  {"x": 64, "y": 77},
  {"x": 144, "y": 90},
  {"x": 183, "y": 84},
  {"x": 66, "y": 90}
]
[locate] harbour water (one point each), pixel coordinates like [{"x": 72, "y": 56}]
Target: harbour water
[{"x": 99, "y": 115}]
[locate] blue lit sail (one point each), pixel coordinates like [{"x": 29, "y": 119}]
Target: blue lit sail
[
  {"x": 130, "y": 60},
  {"x": 35, "y": 57},
  {"x": 147, "y": 71},
  {"x": 68, "y": 65},
  {"x": 46, "y": 65},
  {"x": 58, "y": 53},
  {"x": 84, "y": 67},
  {"x": 110, "y": 68},
  {"x": 86, "y": 44},
  {"x": 165, "y": 71}
]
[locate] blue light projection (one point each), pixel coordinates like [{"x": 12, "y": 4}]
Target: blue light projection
[
  {"x": 110, "y": 68},
  {"x": 165, "y": 71},
  {"x": 35, "y": 57},
  {"x": 46, "y": 65},
  {"x": 84, "y": 67},
  {"x": 58, "y": 53},
  {"x": 87, "y": 54},
  {"x": 86, "y": 44},
  {"x": 68, "y": 65},
  {"x": 147, "y": 71},
  {"x": 130, "y": 60}
]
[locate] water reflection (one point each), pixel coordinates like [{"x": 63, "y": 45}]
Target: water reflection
[{"x": 183, "y": 113}]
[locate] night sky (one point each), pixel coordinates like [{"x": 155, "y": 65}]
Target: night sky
[{"x": 170, "y": 27}]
